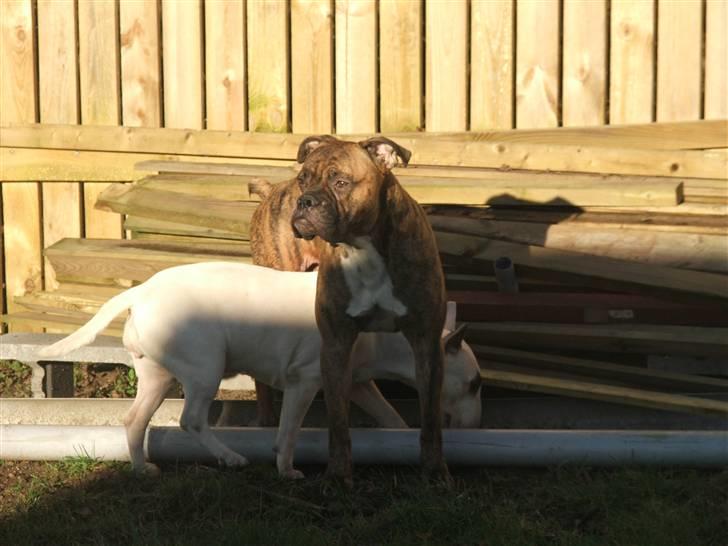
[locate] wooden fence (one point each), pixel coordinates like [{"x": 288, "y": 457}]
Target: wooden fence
[{"x": 347, "y": 66}]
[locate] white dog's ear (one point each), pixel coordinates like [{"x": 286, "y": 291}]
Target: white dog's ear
[
  {"x": 453, "y": 341},
  {"x": 386, "y": 153},
  {"x": 450, "y": 315},
  {"x": 309, "y": 144}
]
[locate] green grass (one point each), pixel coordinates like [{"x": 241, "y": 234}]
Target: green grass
[{"x": 83, "y": 501}]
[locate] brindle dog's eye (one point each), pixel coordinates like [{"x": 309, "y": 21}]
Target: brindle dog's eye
[{"x": 341, "y": 183}]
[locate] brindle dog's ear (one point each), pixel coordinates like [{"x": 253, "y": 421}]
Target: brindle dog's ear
[
  {"x": 386, "y": 153},
  {"x": 309, "y": 144}
]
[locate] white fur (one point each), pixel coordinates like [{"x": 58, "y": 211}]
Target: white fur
[
  {"x": 202, "y": 321},
  {"x": 368, "y": 280}
]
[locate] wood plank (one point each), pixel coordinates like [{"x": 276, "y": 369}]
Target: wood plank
[
  {"x": 225, "y": 65},
  {"x": 141, "y": 226},
  {"x": 356, "y": 66},
  {"x": 400, "y": 66},
  {"x": 679, "y": 58},
  {"x": 231, "y": 216},
  {"x": 182, "y": 64},
  {"x": 58, "y": 101},
  {"x": 426, "y": 151},
  {"x": 589, "y": 219},
  {"x": 140, "y": 70},
  {"x": 475, "y": 192},
  {"x": 267, "y": 66},
  {"x": 229, "y": 188},
  {"x": 492, "y": 54},
  {"x": 98, "y": 54},
  {"x": 653, "y": 136},
  {"x": 81, "y": 260},
  {"x": 584, "y": 62},
  {"x": 597, "y": 271},
  {"x": 604, "y": 370},
  {"x": 716, "y": 53},
  {"x": 627, "y": 338},
  {"x": 607, "y": 393},
  {"x": 537, "y": 63},
  {"x": 25, "y": 164},
  {"x": 446, "y": 55},
  {"x": 631, "y": 64},
  {"x": 582, "y": 308},
  {"x": 699, "y": 252},
  {"x": 20, "y": 202},
  {"x": 312, "y": 66},
  {"x": 32, "y": 321}
]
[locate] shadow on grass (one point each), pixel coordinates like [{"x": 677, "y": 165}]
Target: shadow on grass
[{"x": 199, "y": 505}]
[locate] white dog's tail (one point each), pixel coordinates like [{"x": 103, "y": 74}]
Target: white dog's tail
[{"x": 88, "y": 332}]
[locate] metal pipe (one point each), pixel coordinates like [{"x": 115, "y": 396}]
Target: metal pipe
[
  {"x": 505, "y": 275},
  {"x": 466, "y": 447}
]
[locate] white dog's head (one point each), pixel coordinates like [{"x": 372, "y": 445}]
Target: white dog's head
[{"x": 461, "y": 385}]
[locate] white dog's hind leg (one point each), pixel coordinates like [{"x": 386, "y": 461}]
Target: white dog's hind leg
[
  {"x": 296, "y": 401},
  {"x": 369, "y": 398},
  {"x": 153, "y": 382},
  {"x": 198, "y": 398}
]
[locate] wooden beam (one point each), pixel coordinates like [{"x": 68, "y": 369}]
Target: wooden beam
[
  {"x": 557, "y": 191},
  {"x": 142, "y": 225},
  {"x": 697, "y": 251},
  {"x": 621, "y": 338},
  {"x": 25, "y": 164},
  {"x": 582, "y": 308},
  {"x": 596, "y": 271},
  {"x": 108, "y": 261},
  {"x": 607, "y": 393},
  {"x": 226, "y": 215},
  {"x": 426, "y": 150},
  {"x": 604, "y": 370},
  {"x": 20, "y": 202},
  {"x": 61, "y": 323}
]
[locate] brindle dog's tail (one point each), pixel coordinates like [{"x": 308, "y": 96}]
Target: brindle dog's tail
[{"x": 260, "y": 187}]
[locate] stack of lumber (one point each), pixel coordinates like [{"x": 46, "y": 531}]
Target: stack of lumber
[{"x": 618, "y": 237}]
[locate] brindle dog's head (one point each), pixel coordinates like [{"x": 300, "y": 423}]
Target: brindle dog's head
[{"x": 341, "y": 184}]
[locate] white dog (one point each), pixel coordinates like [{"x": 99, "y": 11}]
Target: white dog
[{"x": 200, "y": 322}]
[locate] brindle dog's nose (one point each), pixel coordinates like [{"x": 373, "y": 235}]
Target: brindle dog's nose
[{"x": 306, "y": 201}]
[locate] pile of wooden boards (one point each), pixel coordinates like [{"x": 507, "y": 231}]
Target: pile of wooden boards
[{"x": 618, "y": 237}]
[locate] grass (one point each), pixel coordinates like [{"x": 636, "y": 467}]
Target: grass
[{"x": 85, "y": 501}]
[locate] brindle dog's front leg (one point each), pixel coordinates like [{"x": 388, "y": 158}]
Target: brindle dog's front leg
[
  {"x": 336, "y": 374},
  {"x": 429, "y": 360}
]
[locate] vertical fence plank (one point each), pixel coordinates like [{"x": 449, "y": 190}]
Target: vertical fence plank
[
  {"x": 491, "y": 64},
  {"x": 312, "y": 70},
  {"x": 182, "y": 64},
  {"x": 58, "y": 90},
  {"x": 537, "y": 64},
  {"x": 356, "y": 66},
  {"x": 716, "y": 56},
  {"x": 267, "y": 66},
  {"x": 446, "y": 91},
  {"x": 21, "y": 211},
  {"x": 98, "y": 55},
  {"x": 679, "y": 50},
  {"x": 585, "y": 62},
  {"x": 631, "y": 64},
  {"x": 400, "y": 66},
  {"x": 225, "y": 64},
  {"x": 140, "y": 81}
]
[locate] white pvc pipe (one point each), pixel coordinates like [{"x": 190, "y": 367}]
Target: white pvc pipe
[{"x": 469, "y": 447}]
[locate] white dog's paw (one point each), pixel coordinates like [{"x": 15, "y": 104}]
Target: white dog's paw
[
  {"x": 234, "y": 460},
  {"x": 149, "y": 469},
  {"x": 291, "y": 474}
]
